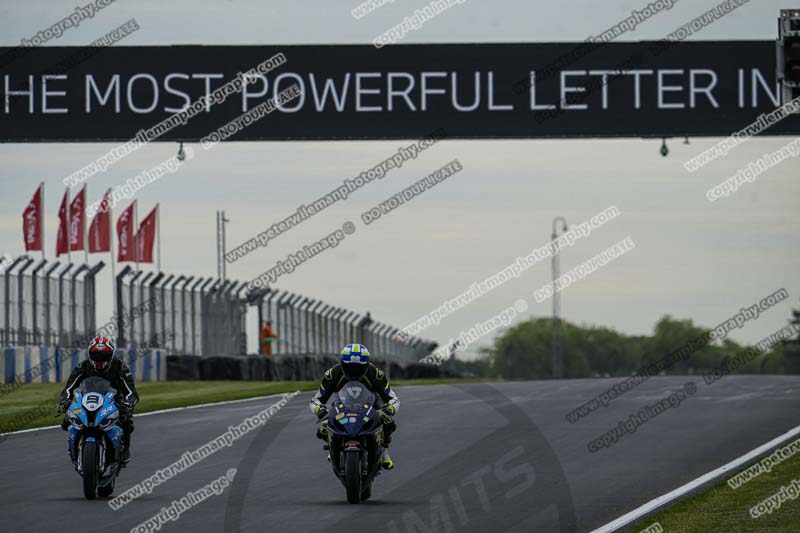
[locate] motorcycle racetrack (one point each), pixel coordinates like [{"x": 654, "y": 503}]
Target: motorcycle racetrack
[{"x": 486, "y": 457}]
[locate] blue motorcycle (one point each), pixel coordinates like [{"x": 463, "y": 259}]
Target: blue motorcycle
[
  {"x": 355, "y": 440},
  {"x": 95, "y": 436}
]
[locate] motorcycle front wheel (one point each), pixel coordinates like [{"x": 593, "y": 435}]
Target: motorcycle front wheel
[
  {"x": 90, "y": 470},
  {"x": 352, "y": 476}
]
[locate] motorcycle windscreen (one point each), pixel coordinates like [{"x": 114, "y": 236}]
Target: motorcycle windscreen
[
  {"x": 355, "y": 397},
  {"x": 95, "y": 384}
]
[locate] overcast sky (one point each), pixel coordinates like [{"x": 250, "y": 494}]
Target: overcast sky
[{"x": 693, "y": 259}]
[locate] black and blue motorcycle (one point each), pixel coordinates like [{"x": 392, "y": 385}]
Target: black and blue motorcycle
[
  {"x": 355, "y": 440},
  {"x": 95, "y": 436}
]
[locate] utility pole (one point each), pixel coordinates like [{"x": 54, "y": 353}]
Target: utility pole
[
  {"x": 221, "y": 221},
  {"x": 558, "y": 338}
]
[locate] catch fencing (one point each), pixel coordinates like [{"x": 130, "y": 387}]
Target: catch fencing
[
  {"x": 46, "y": 303},
  {"x": 187, "y": 315},
  {"x": 310, "y": 326},
  {"x": 52, "y": 304}
]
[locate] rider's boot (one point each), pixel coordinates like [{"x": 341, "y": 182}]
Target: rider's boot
[
  {"x": 72, "y": 447},
  {"x": 322, "y": 434},
  {"x": 126, "y": 449},
  {"x": 386, "y": 460}
]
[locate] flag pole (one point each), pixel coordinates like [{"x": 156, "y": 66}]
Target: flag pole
[
  {"x": 68, "y": 206},
  {"x": 111, "y": 249},
  {"x": 158, "y": 235},
  {"x": 41, "y": 219},
  {"x": 84, "y": 233},
  {"x": 136, "y": 233}
]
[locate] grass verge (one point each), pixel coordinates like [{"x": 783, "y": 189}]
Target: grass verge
[
  {"x": 723, "y": 509},
  {"x": 34, "y": 405}
]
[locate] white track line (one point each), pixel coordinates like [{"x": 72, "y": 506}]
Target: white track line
[
  {"x": 171, "y": 410},
  {"x": 664, "y": 499}
]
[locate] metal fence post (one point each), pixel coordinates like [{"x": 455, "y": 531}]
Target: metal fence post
[
  {"x": 278, "y": 321},
  {"x": 173, "y": 313},
  {"x": 61, "y": 330},
  {"x": 49, "y": 338},
  {"x": 74, "y": 302},
  {"x": 142, "y": 328},
  {"x": 345, "y": 327},
  {"x": 321, "y": 328},
  {"x": 329, "y": 314},
  {"x": 293, "y": 326},
  {"x": 183, "y": 312},
  {"x": 21, "y": 337},
  {"x": 132, "y": 304},
  {"x": 7, "y": 304},
  {"x": 37, "y": 339},
  {"x": 193, "y": 311},
  {"x": 162, "y": 303},
  {"x": 315, "y": 326},
  {"x": 231, "y": 311},
  {"x": 151, "y": 297},
  {"x": 121, "y": 307},
  {"x": 241, "y": 303},
  {"x": 331, "y": 339},
  {"x": 89, "y": 299},
  {"x": 352, "y": 330},
  {"x": 394, "y": 344},
  {"x": 203, "y": 315},
  {"x": 302, "y": 310},
  {"x": 338, "y": 333}
]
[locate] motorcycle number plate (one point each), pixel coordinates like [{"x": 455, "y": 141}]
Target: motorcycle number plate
[{"x": 92, "y": 401}]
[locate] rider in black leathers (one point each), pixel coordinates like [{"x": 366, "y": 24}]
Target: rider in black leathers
[
  {"x": 101, "y": 363},
  {"x": 370, "y": 376}
]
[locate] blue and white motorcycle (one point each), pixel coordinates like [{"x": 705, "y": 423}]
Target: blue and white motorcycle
[{"x": 95, "y": 436}]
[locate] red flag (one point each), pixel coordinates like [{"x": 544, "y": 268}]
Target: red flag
[
  {"x": 100, "y": 228},
  {"x": 125, "y": 235},
  {"x": 61, "y": 241},
  {"x": 146, "y": 236},
  {"x": 77, "y": 220},
  {"x": 32, "y": 222}
]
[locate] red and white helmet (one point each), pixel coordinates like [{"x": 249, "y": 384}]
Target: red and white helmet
[{"x": 101, "y": 351}]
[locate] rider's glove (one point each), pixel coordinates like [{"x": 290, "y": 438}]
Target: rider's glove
[
  {"x": 322, "y": 412},
  {"x": 387, "y": 414},
  {"x": 62, "y": 407},
  {"x": 126, "y": 407}
]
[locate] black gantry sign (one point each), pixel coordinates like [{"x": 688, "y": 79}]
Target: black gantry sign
[{"x": 341, "y": 92}]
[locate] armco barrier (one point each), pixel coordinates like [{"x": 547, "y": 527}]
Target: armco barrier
[
  {"x": 277, "y": 368},
  {"x": 49, "y": 364}
]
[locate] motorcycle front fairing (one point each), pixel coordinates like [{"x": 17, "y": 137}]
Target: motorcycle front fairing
[
  {"x": 353, "y": 413},
  {"x": 92, "y": 415},
  {"x": 354, "y": 425}
]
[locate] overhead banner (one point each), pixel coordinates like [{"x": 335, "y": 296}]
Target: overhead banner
[{"x": 341, "y": 92}]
